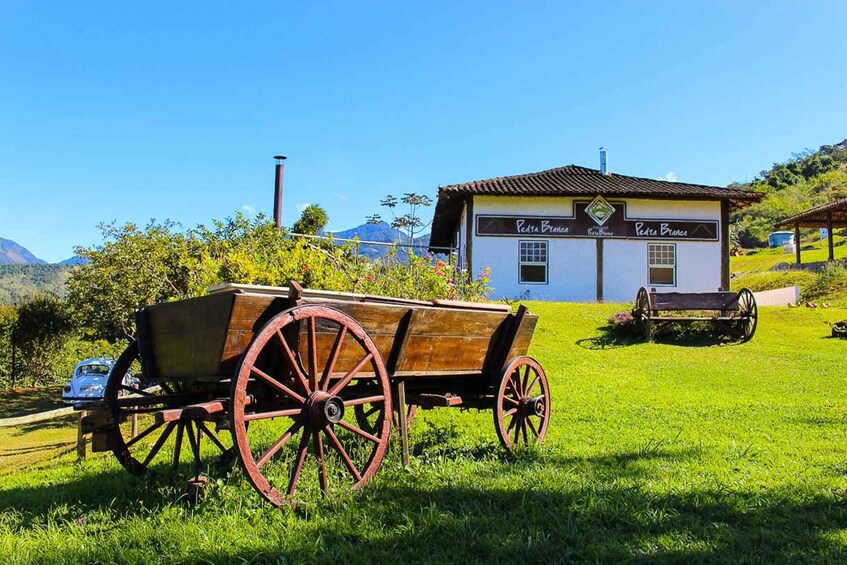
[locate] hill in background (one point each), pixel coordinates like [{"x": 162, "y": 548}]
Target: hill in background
[
  {"x": 18, "y": 282},
  {"x": 808, "y": 179},
  {"x": 384, "y": 233},
  {"x": 12, "y": 253}
]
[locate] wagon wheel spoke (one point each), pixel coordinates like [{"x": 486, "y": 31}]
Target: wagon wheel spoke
[
  {"x": 319, "y": 455},
  {"x": 365, "y": 400},
  {"x": 313, "y": 355},
  {"x": 272, "y": 414},
  {"x": 511, "y": 401},
  {"x": 343, "y": 453},
  {"x": 195, "y": 446},
  {"x": 349, "y": 376},
  {"x": 143, "y": 434},
  {"x": 529, "y": 389},
  {"x": 159, "y": 443},
  {"x": 355, "y": 430},
  {"x": 333, "y": 357},
  {"x": 523, "y": 429},
  {"x": 276, "y": 384},
  {"x": 289, "y": 433},
  {"x": 298, "y": 466},
  {"x": 532, "y": 427},
  {"x": 524, "y": 390},
  {"x": 292, "y": 361},
  {"x": 179, "y": 431},
  {"x": 136, "y": 390},
  {"x": 211, "y": 435}
]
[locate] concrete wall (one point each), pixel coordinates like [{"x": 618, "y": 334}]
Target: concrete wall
[{"x": 573, "y": 267}]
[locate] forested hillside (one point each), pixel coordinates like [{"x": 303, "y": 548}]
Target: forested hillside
[
  {"x": 807, "y": 179},
  {"x": 17, "y": 282}
]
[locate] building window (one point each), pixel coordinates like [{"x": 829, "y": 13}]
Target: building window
[
  {"x": 533, "y": 262},
  {"x": 662, "y": 263}
]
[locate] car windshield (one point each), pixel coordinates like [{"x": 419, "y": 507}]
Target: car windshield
[{"x": 93, "y": 370}]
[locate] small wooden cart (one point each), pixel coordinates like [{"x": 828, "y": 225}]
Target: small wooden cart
[
  {"x": 732, "y": 311},
  {"x": 306, "y": 382}
]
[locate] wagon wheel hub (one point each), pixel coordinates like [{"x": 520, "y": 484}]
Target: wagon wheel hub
[
  {"x": 532, "y": 406},
  {"x": 323, "y": 409}
]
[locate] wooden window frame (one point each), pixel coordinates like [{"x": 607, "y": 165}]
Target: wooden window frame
[
  {"x": 651, "y": 265},
  {"x": 546, "y": 261}
]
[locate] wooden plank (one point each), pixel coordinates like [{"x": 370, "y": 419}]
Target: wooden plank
[
  {"x": 694, "y": 301},
  {"x": 190, "y": 412},
  {"x": 32, "y": 418},
  {"x": 599, "y": 261},
  {"x": 463, "y": 305}
]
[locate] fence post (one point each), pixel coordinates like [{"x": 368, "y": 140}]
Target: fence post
[
  {"x": 80, "y": 438},
  {"x": 134, "y": 420}
]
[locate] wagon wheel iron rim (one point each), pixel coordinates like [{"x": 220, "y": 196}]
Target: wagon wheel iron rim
[
  {"x": 314, "y": 398},
  {"x": 153, "y": 441},
  {"x": 642, "y": 305},
  {"x": 748, "y": 313},
  {"x": 522, "y": 404}
]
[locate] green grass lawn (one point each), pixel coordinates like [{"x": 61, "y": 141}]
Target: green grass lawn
[
  {"x": 656, "y": 451},
  {"x": 756, "y": 260}
]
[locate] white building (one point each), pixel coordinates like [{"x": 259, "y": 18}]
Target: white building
[{"x": 579, "y": 234}]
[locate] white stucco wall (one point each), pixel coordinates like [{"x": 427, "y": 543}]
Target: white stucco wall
[{"x": 572, "y": 262}]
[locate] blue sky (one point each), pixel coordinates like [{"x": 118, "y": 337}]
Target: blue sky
[{"x": 126, "y": 112}]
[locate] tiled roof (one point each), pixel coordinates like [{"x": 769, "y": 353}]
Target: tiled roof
[
  {"x": 572, "y": 180},
  {"x": 817, "y": 217}
]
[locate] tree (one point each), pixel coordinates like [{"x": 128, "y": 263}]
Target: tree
[
  {"x": 409, "y": 223},
  {"x": 312, "y": 220},
  {"x": 41, "y": 328},
  {"x": 8, "y": 317},
  {"x": 133, "y": 268}
]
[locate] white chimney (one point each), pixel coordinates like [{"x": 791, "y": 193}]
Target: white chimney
[{"x": 603, "y": 161}]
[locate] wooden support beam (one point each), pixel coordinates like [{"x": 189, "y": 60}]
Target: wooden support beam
[
  {"x": 725, "y": 245},
  {"x": 469, "y": 236},
  {"x": 401, "y": 416},
  {"x": 829, "y": 236},
  {"x": 599, "y": 255},
  {"x": 797, "y": 241}
]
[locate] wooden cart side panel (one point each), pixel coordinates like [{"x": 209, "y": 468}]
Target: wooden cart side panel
[{"x": 186, "y": 337}]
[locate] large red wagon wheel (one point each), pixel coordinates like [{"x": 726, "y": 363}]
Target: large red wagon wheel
[
  {"x": 748, "y": 313},
  {"x": 283, "y": 390},
  {"x": 522, "y": 404},
  {"x": 154, "y": 441},
  {"x": 642, "y": 313}
]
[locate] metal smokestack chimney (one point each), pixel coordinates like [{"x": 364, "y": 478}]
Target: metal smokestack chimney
[
  {"x": 603, "y": 161},
  {"x": 280, "y": 171}
]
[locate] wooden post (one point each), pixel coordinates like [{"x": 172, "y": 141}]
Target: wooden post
[
  {"x": 829, "y": 236},
  {"x": 80, "y": 438},
  {"x": 469, "y": 237},
  {"x": 797, "y": 241},
  {"x": 134, "y": 425},
  {"x": 401, "y": 417},
  {"x": 599, "y": 246},
  {"x": 725, "y": 243}
]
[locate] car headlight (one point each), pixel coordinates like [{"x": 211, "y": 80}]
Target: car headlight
[{"x": 67, "y": 388}]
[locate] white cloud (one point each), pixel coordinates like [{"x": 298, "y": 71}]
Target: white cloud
[
  {"x": 341, "y": 197},
  {"x": 302, "y": 206},
  {"x": 248, "y": 209},
  {"x": 671, "y": 176}
]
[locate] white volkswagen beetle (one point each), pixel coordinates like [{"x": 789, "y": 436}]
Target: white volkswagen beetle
[{"x": 88, "y": 382}]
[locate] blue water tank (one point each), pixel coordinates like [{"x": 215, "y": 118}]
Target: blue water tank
[{"x": 780, "y": 238}]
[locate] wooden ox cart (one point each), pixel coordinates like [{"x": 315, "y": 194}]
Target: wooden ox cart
[
  {"x": 734, "y": 312},
  {"x": 306, "y": 382}
]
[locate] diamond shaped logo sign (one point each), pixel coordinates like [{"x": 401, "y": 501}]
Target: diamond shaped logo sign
[{"x": 599, "y": 210}]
